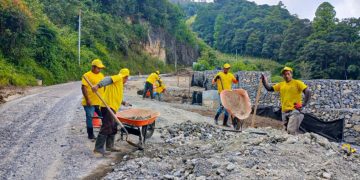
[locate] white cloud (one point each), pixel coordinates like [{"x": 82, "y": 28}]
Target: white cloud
[{"x": 307, "y": 8}]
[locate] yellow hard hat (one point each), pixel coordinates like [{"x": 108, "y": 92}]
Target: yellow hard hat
[
  {"x": 227, "y": 65},
  {"x": 157, "y": 72},
  {"x": 286, "y": 69},
  {"x": 124, "y": 72},
  {"x": 97, "y": 63}
]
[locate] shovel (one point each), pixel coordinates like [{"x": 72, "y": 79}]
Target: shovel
[{"x": 114, "y": 118}]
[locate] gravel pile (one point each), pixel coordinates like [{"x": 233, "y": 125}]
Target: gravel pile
[
  {"x": 202, "y": 151},
  {"x": 187, "y": 132}
]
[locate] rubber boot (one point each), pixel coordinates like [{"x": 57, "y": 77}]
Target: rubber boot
[
  {"x": 99, "y": 145},
  {"x": 226, "y": 117},
  {"x": 216, "y": 118},
  {"x": 90, "y": 132},
  {"x": 110, "y": 145}
]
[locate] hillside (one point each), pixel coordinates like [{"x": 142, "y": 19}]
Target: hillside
[
  {"x": 39, "y": 38},
  {"x": 323, "y": 48}
]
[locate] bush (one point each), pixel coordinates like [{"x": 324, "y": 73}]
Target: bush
[
  {"x": 276, "y": 79},
  {"x": 10, "y": 76}
]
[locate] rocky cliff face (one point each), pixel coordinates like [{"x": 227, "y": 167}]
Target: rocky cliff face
[{"x": 162, "y": 45}]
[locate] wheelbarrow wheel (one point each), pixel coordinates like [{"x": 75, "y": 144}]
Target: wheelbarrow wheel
[{"x": 149, "y": 130}]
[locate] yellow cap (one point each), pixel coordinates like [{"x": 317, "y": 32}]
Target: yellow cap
[
  {"x": 97, "y": 63},
  {"x": 227, "y": 65},
  {"x": 286, "y": 69},
  {"x": 157, "y": 72},
  {"x": 124, "y": 72}
]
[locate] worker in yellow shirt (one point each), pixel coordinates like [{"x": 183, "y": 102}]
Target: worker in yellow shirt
[
  {"x": 150, "y": 81},
  {"x": 113, "y": 96},
  {"x": 224, "y": 80},
  {"x": 89, "y": 100},
  {"x": 160, "y": 88},
  {"x": 291, "y": 100}
]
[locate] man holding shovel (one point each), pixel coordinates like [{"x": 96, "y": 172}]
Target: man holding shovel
[
  {"x": 150, "y": 81},
  {"x": 291, "y": 99},
  {"x": 113, "y": 97},
  {"x": 224, "y": 80},
  {"x": 90, "y": 101}
]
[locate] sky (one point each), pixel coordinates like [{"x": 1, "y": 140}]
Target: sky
[{"x": 307, "y": 8}]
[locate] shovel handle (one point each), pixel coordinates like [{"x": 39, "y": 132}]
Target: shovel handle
[
  {"x": 107, "y": 106},
  {"x": 253, "y": 118}
]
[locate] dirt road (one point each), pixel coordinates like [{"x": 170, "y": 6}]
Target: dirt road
[{"x": 38, "y": 139}]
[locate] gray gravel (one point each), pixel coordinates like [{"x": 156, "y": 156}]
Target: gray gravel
[{"x": 201, "y": 151}]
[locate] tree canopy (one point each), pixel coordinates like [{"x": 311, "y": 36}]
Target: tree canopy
[{"x": 327, "y": 46}]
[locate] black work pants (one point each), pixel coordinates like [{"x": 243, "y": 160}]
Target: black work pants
[
  {"x": 148, "y": 87},
  {"x": 109, "y": 126}
]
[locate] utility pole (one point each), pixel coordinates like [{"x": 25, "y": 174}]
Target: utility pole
[
  {"x": 175, "y": 59},
  {"x": 79, "y": 43},
  {"x": 236, "y": 55},
  {"x": 177, "y": 75}
]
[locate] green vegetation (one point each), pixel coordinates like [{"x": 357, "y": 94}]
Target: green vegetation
[
  {"x": 39, "y": 38},
  {"x": 324, "y": 48}
]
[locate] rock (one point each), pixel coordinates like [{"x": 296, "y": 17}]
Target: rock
[
  {"x": 349, "y": 125},
  {"x": 291, "y": 140},
  {"x": 357, "y": 128},
  {"x": 215, "y": 165},
  {"x": 320, "y": 140},
  {"x": 112, "y": 164},
  {"x": 230, "y": 167},
  {"x": 177, "y": 174},
  {"x": 168, "y": 176},
  {"x": 350, "y": 139},
  {"x": 201, "y": 178},
  {"x": 326, "y": 175},
  {"x": 255, "y": 152}
]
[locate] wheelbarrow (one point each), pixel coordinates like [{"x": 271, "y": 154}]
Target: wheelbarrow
[
  {"x": 237, "y": 103},
  {"x": 139, "y": 122}
]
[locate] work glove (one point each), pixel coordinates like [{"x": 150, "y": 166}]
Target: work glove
[
  {"x": 237, "y": 77},
  {"x": 298, "y": 106}
]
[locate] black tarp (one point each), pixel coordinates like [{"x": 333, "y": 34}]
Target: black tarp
[{"x": 334, "y": 130}]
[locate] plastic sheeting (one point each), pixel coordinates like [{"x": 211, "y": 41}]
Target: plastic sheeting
[{"x": 333, "y": 130}]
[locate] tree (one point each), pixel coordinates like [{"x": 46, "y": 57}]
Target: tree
[
  {"x": 219, "y": 23},
  {"x": 304, "y": 68},
  {"x": 294, "y": 39},
  {"x": 254, "y": 44},
  {"x": 324, "y": 20}
]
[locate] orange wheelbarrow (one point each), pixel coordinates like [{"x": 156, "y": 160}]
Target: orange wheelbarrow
[{"x": 140, "y": 122}]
